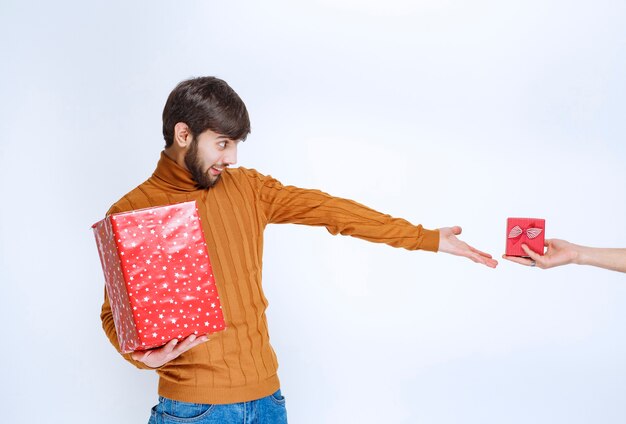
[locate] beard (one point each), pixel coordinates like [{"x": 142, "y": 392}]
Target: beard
[{"x": 202, "y": 178}]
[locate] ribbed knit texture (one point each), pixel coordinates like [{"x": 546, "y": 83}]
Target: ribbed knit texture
[{"x": 239, "y": 364}]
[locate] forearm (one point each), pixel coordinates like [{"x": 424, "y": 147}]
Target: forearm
[
  {"x": 607, "y": 258},
  {"x": 288, "y": 204}
]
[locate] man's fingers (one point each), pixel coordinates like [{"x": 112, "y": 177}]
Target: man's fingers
[
  {"x": 490, "y": 262},
  {"x": 174, "y": 348},
  {"x": 189, "y": 343},
  {"x": 199, "y": 341},
  {"x": 138, "y": 356},
  {"x": 480, "y": 252},
  {"x": 167, "y": 350},
  {"x": 169, "y": 347},
  {"x": 195, "y": 341},
  {"x": 481, "y": 259},
  {"x": 163, "y": 350},
  {"x": 184, "y": 345}
]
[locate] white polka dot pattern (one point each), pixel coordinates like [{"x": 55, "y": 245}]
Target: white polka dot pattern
[{"x": 158, "y": 276}]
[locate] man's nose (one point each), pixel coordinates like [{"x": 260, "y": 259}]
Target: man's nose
[{"x": 230, "y": 157}]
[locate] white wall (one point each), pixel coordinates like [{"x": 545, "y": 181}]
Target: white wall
[{"x": 441, "y": 112}]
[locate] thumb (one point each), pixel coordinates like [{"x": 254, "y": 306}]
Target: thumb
[
  {"x": 533, "y": 255},
  {"x": 138, "y": 356},
  {"x": 456, "y": 230}
]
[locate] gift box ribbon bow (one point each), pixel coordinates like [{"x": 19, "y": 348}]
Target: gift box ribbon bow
[{"x": 531, "y": 233}]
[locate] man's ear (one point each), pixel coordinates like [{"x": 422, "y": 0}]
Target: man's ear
[{"x": 182, "y": 135}]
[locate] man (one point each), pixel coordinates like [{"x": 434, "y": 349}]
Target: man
[{"x": 233, "y": 378}]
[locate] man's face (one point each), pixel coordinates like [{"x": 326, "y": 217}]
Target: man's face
[{"x": 208, "y": 155}]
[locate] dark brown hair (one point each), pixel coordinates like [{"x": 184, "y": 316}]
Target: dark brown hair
[{"x": 205, "y": 103}]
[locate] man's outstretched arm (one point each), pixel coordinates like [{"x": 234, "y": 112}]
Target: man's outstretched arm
[{"x": 288, "y": 204}]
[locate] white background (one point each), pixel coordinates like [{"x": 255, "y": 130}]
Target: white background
[{"x": 442, "y": 112}]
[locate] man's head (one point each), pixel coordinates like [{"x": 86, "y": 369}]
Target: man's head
[
  {"x": 203, "y": 120},
  {"x": 205, "y": 103}
]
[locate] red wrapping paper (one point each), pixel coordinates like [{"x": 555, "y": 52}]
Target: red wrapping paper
[
  {"x": 528, "y": 231},
  {"x": 158, "y": 276}
]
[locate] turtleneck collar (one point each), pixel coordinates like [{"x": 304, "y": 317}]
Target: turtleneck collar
[{"x": 171, "y": 175}]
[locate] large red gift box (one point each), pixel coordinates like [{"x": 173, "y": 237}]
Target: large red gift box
[
  {"x": 158, "y": 275},
  {"x": 528, "y": 231}
]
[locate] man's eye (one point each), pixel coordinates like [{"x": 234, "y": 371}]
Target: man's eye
[{"x": 222, "y": 144}]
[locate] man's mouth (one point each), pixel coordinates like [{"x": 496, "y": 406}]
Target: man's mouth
[{"x": 216, "y": 170}]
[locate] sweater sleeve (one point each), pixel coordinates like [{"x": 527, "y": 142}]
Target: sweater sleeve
[
  {"x": 288, "y": 204},
  {"x": 106, "y": 315}
]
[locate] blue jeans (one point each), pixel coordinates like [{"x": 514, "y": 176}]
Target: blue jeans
[{"x": 267, "y": 410}]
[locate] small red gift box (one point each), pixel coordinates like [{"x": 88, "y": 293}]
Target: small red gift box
[
  {"x": 528, "y": 231},
  {"x": 158, "y": 275}
]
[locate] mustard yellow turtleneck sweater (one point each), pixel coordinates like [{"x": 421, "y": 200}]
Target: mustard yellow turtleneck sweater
[{"x": 239, "y": 363}]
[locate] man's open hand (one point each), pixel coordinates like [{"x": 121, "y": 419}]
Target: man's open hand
[
  {"x": 155, "y": 358},
  {"x": 449, "y": 243}
]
